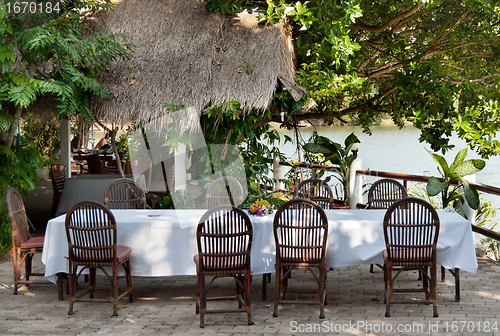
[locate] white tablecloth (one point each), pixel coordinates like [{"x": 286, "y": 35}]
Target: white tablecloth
[{"x": 160, "y": 247}]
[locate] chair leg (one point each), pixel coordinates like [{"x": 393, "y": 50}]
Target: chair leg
[
  {"x": 27, "y": 266},
  {"x": 425, "y": 281},
  {"x": 197, "y": 309},
  {"x": 246, "y": 296},
  {"x": 72, "y": 288},
  {"x": 203, "y": 301},
  {"x": 16, "y": 257},
  {"x": 114, "y": 291},
  {"x": 388, "y": 290},
  {"x": 239, "y": 290},
  {"x": 277, "y": 289},
  {"x": 264, "y": 287},
  {"x": 433, "y": 290},
  {"x": 371, "y": 268},
  {"x": 129, "y": 281},
  {"x": 321, "y": 292}
]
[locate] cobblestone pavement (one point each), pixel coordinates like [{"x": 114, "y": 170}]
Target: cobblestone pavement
[{"x": 165, "y": 305}]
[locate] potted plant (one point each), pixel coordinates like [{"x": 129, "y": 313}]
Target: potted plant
[
  {"x": 335, "y": 154},
  {"x": 451, "y": 196}
]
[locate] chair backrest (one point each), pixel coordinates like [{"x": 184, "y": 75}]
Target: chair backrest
[
  {"x": 384, "y": 192},
  {"x": 124, "y": 194},
  {"x": 142, "y": 166},
  {"x": 17, "y": 216},
  {"x": 411, "y": 230},
  {"x": 91, "y": 234},
  {"x": 58, "y": 175},
  {"x": 224, "y": 237},
  {"x": 218, "y": 194},
  {"x": 300, "y": 232},
  {"x": 315, "y": 190},
  {"x": 110, "y": 167},
  {"x": 94, "y": 164}
]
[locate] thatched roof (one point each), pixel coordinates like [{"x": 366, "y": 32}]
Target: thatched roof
[{"x": 186, "y": 55}]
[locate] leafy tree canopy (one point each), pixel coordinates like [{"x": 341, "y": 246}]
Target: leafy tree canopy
[
  {"x": 47, "y": 51},
  {"x": 434, "y": 63}
]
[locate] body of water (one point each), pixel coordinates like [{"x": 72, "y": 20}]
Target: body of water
[{"x": 397, "y": 150}]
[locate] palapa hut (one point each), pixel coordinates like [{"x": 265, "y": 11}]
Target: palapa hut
[{"x": 186, "y": 55}]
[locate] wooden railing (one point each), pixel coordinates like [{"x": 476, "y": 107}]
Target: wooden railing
[
  {"x": 413, "y": 178},
  {"x": 421, "y": 178}
]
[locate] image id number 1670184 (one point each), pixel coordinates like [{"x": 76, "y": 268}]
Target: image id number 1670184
[
  {"x": 24, "y": 7},
  {"x": 470, "y": 326}
]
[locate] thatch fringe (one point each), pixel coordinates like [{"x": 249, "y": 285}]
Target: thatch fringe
[{"x": 188, "y": 56}]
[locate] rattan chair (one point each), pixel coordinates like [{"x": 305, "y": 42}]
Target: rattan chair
[
  {"x": 224, "y": 236},
  {"x": 382, "y": 194},
  {"x": 411, "y": 230},
  {"x": 124, "y": 193},
  {"x": 58, "y": 175},
  {"x": 23, "y": 247},
  {"x": 224, "y": 190},
  {"x": 315, "y": 190},
  {"x": 111, "y": 167},
  {"x": 91, "y": 234},
  {"x": 300, "y": 233},
  {"x": 94, "y": 164}
]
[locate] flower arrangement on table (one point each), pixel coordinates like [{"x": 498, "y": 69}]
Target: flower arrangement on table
[{"x": 260, "y": 208}]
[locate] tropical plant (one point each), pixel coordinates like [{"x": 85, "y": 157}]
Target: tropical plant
[
  {"x": 455, "y": 172},
  {"x": 180, "y": 197},
  {"x": 486, "y": 217},
  {"x": 335, "y": 154},
  {"x": 53, "y": 55},
  {"x": 18, "y": 170}
]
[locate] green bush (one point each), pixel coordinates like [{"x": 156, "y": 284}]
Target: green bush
[{"x": 17, "y": 170}]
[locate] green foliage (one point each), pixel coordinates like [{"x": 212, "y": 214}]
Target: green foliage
[
  {"x": 486, "y": 217},
  {"x": 17, "y": 170},
  {"x": 228, "y": 123},
  {"x": 335, "y": 154},
  {"x": 434, "y": 63},
  {"x": 74, "y": 53},
  {"x": 180, "y": 196},
  {"x": 456, "y": 171},
  {"x": 44, "y": 135}
]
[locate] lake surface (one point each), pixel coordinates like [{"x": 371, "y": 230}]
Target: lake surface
[{"x": 393, "y": 150}]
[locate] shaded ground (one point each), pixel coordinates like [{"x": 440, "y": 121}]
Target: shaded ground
[{"x": 38, "y": 204}]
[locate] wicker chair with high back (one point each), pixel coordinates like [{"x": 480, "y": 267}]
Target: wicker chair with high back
[
  {"x": 23, "y": 247},
  {"x": 411, "y": 230},
  {"x": 91, "y": 233},
  {"x": 111, "y": 167},
  {"x": 124, "y": 193},
  {"x": 315, "y": 190},
  {"x": 94, "y": 164},
  {"x": 224, "y": 190},
  {"x": 224, "y": 237},
  {"x": 382, "y": 194},
  {"x": 58, "y": 175},
  {"x": 300, "y": 233}
]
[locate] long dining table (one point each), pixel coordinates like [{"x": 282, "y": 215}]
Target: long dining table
[{"x": 163, "y": 242}]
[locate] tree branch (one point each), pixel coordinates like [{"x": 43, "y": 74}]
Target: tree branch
[{"x": 389, "y": 23}]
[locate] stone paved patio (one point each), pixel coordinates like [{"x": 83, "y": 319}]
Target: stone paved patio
[{"x": 166, "y": 306}]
